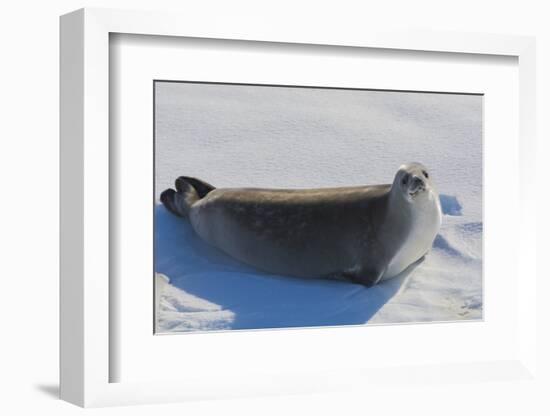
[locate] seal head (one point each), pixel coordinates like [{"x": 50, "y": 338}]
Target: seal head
[{"x": 416, "y": 207}]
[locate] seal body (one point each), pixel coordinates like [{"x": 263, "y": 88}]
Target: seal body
[{"x": 364, "y": 233}]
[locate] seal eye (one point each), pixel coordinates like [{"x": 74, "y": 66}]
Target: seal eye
[
  {"x": 405, "y": 179},
  {"x": 425, "y": 174}
]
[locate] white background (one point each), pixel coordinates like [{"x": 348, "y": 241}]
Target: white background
[{"x": 29, "y": 209}]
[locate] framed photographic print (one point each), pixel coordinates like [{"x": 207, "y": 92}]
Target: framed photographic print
[{"x": 246, "y": 213}]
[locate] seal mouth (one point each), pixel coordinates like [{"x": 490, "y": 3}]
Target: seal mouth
[
  {"x": 416, "y": 191},
  {"x": 417, "y": 187}
]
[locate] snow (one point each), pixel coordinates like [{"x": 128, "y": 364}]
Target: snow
[{"x": 235, "y": 136}]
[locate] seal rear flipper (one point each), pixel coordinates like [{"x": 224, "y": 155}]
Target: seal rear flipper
[
  {"x": 202, "y": 187},
  {"x": 167, "y": 199},
  {"x": 179, "y": 202}
]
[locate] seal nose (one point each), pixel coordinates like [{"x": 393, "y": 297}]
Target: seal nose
[{"x": 417, "y": 182}]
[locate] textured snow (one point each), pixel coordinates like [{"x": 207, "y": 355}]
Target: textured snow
[{"x": 235, "y": 136}]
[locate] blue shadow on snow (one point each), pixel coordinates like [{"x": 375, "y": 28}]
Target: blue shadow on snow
[
  {"x": 258, "y": 299},
  {"x": 450, "y": 205}
]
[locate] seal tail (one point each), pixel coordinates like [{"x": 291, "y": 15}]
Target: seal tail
[{"x": 188, "y": 191}]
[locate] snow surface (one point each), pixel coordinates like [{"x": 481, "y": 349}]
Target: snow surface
[{"x": 235, "y": 136}]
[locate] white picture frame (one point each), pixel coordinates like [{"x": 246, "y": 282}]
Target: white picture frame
[{"x": 86, "y": 355}]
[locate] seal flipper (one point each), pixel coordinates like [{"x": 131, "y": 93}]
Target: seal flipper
[
  {"x": 167, "y": 199},
  {"x": 202, "y": 187},
  {"x": 367, "y": 277},
  {"x": 179, "y": 202}
]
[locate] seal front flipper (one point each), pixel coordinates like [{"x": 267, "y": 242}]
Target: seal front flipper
[{"x": 367, "y": 276}]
